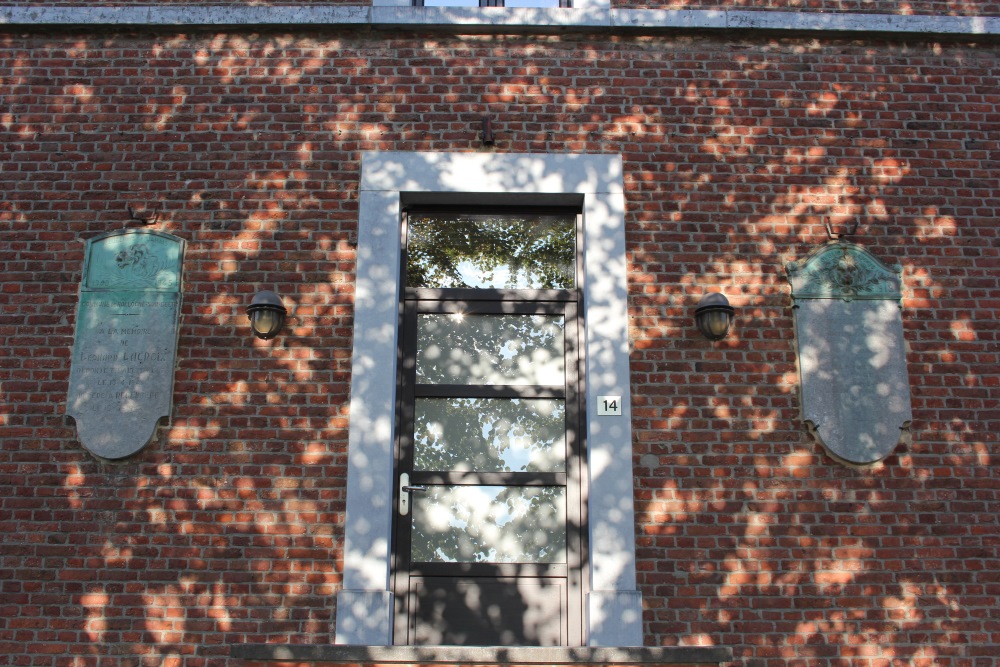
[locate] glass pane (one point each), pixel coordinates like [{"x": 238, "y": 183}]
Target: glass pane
[
  {"x": 490, "y": 349},
  {"x": 491, "y": 251},
  {"x": 489, "y": 524},
  {"x": 451, "y": 3},
  {"x": 490, "y": 434},
  {"x": 531, "y": 3}
]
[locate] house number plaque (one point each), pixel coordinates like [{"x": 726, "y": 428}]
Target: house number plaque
[{"x": 609, "y": 406}]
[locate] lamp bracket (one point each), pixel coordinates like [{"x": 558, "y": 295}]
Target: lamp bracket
[
  {"x": 144, "y": 217},
  {"x": 841, "y": 236}
]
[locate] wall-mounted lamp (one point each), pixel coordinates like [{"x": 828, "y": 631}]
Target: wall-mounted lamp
[
  {"x": 714, "y": 316},
  {"x": 267, "y": 314}
]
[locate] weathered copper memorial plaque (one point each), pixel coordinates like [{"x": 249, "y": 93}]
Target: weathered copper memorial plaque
[
  {"x": 852, "y": 366},
  {"x": 122, "y": 376}
]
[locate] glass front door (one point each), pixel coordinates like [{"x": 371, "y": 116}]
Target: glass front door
[{"x": 489, "y": 502}]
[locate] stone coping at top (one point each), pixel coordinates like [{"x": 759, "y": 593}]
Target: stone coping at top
[
  {"x": 492, "y": 19},
  {"x": 485, "y": 655}
]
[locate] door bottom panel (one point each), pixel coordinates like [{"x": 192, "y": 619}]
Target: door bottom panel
[{"x": 487, "y": 612}]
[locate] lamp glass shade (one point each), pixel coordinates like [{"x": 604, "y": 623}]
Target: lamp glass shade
[
  {"x": 714, "y": 324},
  {"x": 266, "y": 323}
]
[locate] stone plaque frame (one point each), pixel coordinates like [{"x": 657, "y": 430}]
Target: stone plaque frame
[
  {"x": 125, "y": 345},
  {"x": 851, "y": 352}
]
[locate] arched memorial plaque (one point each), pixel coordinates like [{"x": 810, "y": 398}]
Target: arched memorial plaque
[
  {"x": 855, "y": 388},
  {"x": 122, "y": 376}
]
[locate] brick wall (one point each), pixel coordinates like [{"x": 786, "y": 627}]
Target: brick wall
[
  {"x": 227, "y": 529},
  {"x": 932, "y": 7}
]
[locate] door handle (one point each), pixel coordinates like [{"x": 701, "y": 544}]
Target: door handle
[{"x": 404, "y": 492}]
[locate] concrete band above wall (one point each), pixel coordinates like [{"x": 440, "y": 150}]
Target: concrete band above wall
[{"x": 493, "y": 19}]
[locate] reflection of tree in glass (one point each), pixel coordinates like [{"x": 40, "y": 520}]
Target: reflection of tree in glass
[
  {"x": 489, "y": 524},
  {"x": 490, "y": 349},
  {"x": 489, "y": 435},
  {"x": 491, "y": 251}
]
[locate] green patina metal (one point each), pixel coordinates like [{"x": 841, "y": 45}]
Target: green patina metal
[
  {"x": 853, "y": 380},
  {"x": 133, "y": 260},
  {"x": 125, "y": 346},
  {"x": 844, "y": 271}
]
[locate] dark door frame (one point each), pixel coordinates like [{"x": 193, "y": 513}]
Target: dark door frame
[{"x": 566, "y": 302}]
